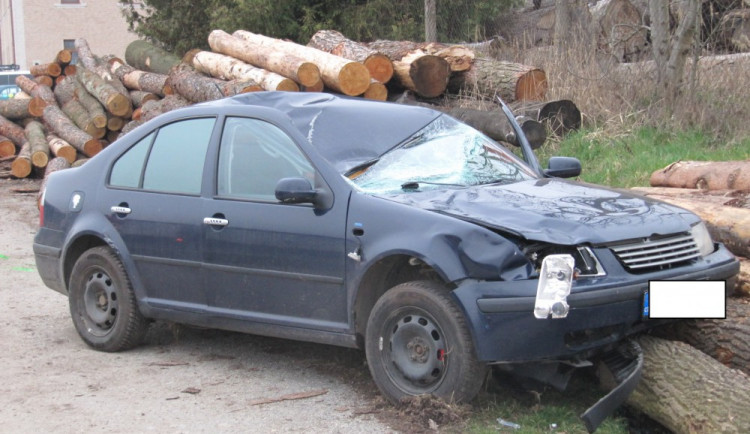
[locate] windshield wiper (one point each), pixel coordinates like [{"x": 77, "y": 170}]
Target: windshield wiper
[
  {"x": 360, "y": 168},
  {"x": 414, "y": 185}
]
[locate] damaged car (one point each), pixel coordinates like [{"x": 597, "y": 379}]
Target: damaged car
[{"x": 390, "y": 228}]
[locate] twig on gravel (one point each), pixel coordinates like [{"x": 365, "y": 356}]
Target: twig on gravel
[{"x": 290, "y": 397}]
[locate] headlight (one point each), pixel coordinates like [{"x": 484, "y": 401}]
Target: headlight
[
  {"x": 702, "y": 239},
  {"x": 555, "y": 281}
]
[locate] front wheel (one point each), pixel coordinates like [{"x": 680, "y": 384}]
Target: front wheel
[
  {"x": 417, "y": 342},
  {"x": 103, "y": 304}
]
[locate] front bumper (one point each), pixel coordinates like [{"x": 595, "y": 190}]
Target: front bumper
[{"x": 602, "y": 312}]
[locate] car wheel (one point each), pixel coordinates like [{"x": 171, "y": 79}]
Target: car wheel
[
  {"x": 102, "y": 302},
  {"x": 417, "y": 342}
]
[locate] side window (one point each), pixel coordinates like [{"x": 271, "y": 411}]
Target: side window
[
  {"x": 127, "y": 170},
  {"x": 175, "y": 163},
  {"x": 254, "y": 156}
]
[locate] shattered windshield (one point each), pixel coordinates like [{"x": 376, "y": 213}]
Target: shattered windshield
[{"x": 444, "y": 154}]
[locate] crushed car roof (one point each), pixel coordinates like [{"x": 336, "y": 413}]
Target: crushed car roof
[{"x": 346, "y": 131}]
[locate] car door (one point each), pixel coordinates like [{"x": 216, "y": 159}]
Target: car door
[
  {"x": 153, "y": 200},
  {"x": 264, "y": 260}
]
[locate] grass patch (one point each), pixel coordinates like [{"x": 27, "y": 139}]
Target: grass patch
[{"x": 628, "y": 159}]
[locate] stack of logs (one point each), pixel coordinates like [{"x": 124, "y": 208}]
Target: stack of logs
[{"x": 70, "y": 112}]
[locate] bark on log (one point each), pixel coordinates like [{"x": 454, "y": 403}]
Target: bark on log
[
  {"x": 93, "y": 106},
  {"x": 733, "y": 32},
  {"x": 139, "y": 97},
  {"x": 93, "y": 64},
  {"x": 192, "y": 85},
  {"x": 65, "y": 128},
  {"x": 38, "y": 143},
  {"x": 726, "y": 340},
  {"x": 331, "y": 41},
  {"x": 345, "y": 76},
  {"x": 458, "y": 57},
  {"x": 44, "y": 79},
  {"x": 727, "y": 224},
  {"x": 41, "y": 95},
  {"x": 229, "y": 68},
  {"x": 147, "y": 57},
  {"x": 618, "y": 26},
  {"x": 528, "y": 27},
  {"x": 266, "y": 57},
  {"x": 64, "y": 57},
  {"x": 425, "y": 74},
  {"x": 153, "y": 109},
  {"x": 21, "y": 166},
  {"x": 61, "y": 148},
  {"x": 704, "y": 175},
  {"x": 236, "y": 87},
  {"x": 512, "y": 81},
  {"x": 12, "y": 131},
  {"x": 7, "y": 148},
  {"x": 138, "y": 80},
  {"x": 688, "y": 391},
  {"x": 49, "y": 69},
  {"x": 115, "y": 102},
  {"x": 15, "y": 108},
  {"x": 80, "y": 116},
  {"x": 561, "y": 116}
]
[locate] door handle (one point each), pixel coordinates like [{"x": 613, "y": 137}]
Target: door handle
[
  {"x": 120, "y": 210},
  {"x": 214, "y": 221}
]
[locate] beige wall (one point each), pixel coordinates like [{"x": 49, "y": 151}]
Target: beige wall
[{"x": 48, "y": 22}]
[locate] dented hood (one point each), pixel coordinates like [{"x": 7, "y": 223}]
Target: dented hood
[{"x": 557, "y": 211}]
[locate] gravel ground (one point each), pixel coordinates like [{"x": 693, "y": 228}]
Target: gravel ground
[{"x": 182, "y": 380}]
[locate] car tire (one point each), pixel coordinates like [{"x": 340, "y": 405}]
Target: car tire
[
  {"x": 417, "y": 342},
  {"x": 102, "y": 302}
]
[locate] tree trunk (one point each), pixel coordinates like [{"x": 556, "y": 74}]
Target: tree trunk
[
  {"x": 512, "y": 81},
  {"x": 62, "y": 126},
  {"x": 734, "y": 31},
  {"x": 528, "y": 27},
  {"x": 430, "y": 20},
  {"x": 704, "y": 175},
  {"x": 688, "y": 391},
  {"x": 561, "y": 116},
  {"x": 49, "y": 69},
  {"x": 192, "y": 85},
  {"x": 147, "y": 57},
  {"x": 265, "y": 57},
  {"x": 114, "y": 101},
  {"x": 21, "y": 166},
  {"x": 138, "y": 80},
  {"x": 229, "y": 68},
  {"x": 7, "y": 148},
  {"x": 727, "y": 224},
  {"x": 61, "y": 148},
  {"x": 12, "y": 131},
  {"x": 38, "y": 141},
  {"x": 345, "y": 76},
  {"x": 15, "y": 108},
  {"x": 331, "y": 41},
  {"x": 726, "y": 340},
  {"x": 618, "y": 28}
]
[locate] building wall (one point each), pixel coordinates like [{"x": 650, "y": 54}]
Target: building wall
[{"x": 47, "y": 23}]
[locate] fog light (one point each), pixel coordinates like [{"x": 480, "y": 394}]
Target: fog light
[{"x": 555, "y": 281}]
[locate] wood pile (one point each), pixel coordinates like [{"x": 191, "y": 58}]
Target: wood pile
[{"x": 73, "y": 111}]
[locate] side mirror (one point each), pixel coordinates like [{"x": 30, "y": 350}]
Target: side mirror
[
  {"x": 295, "y": 190},
  {"x": 563, "y": 167}
]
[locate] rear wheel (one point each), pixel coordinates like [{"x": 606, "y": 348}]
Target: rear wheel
[
  {"x": 103, "y": 304},
  {"x": 417, "y": 342}
]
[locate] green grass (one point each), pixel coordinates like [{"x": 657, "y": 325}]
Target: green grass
[{"x": 627, "y": 160}]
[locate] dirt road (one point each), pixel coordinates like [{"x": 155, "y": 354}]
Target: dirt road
[{"x": 181, "y": 380}]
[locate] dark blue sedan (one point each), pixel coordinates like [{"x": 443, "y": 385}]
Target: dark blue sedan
[{"x": 395, "y": 229}]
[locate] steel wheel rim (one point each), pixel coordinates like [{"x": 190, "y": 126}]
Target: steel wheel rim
[
  {"x": 415, "y": 356},
  {"x": 100, "y": 304}
]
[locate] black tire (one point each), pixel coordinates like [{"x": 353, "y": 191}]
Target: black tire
[
  {"x": 102, "y": 302},
  {"x": 417, "y": 342}
]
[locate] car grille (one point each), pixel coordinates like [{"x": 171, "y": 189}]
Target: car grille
[{"x": 660, "y": 253}]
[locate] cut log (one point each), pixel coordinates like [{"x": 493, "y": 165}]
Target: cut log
[
  {"x": 153, "y": 109},
  {"x": 38, "y": 142},
  {"x": 70, "y": 70},
  {"x": 229, "y": 68},
  {"x": 93, "y": 106},
  {"x": 81, "y": 117},
  {"x": 727, "y": 224},
  {"x": 561, "y": 116},
  {"x": 704, "y": 175},
  {"x": 266, "y": 57},
  {"x": 7, "y": 148},
  {"x": 114, "y": 101},
  {"x": 726, "y": 340},
  {"x": 45, "y": 80},
  {"x": 512, "y": 81},
  {"x": 138, "y": 80},
  {"x": 91, "y": 63},
  {"x": 425, "y": 74},
  {"x": 65, "y": 128},
  {"x": 12, "y": 131},
  {"x": 147, "y": 57},
  {"x": 619, "y": 29},
  {"x": 236, "y": 87},
  {"x": 734, "y": 31},
  {"x": 376, "y": 91},
  {"x": 61, "y": 148},
  {"x": 458, "y": 57},
  {"x": 331, "y": 41},
  {"x": 65, "y": 90},
  {"x": 41, "y": 95},
  {"x": 689, "y": 392},
  {"x": 139, "y": 97},
  {"x": 115, "y": 123},
  {"x": 192, "y": 85},
  {"x": 21, "y": 166},
  {"x": 342, "y": 75},
  {"x": 64, "y": 57},
  {"x": 318, "y": 87},
  {"x": 48, "y": 69},
  {"x": 15, "y": 108}
]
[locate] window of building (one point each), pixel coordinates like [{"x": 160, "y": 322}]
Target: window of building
[{"x": 70, "y": 45}]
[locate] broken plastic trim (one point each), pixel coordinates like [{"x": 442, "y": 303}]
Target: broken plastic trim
[{"x": 626, "y": 364}]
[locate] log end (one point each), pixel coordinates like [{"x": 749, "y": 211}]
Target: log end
[
  {"x": 119, "y": 105},
  {"x": 92, "y": 147},
  {"x": 317, "y": 87},
  {"x": 376, "y": 91},
  {"x": 380, "y": 67},
  {"x": 20, "y": 168},
  {"x": 7, "y": 148},
  {"x": 99, "y": 121},
  {"x": 68, "y": 153},
  {"x": 287, "y": 85},
  {"x": 39, "y": 159},
  {"x": 532, "y": 86},
  {"x": 353, "y": 79},
  {"x": 95, "y": 132},
  {"x": 36, "y": 106},
  {"x": 430, "y": 75},
  {"x": 308, "y": 74}
]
